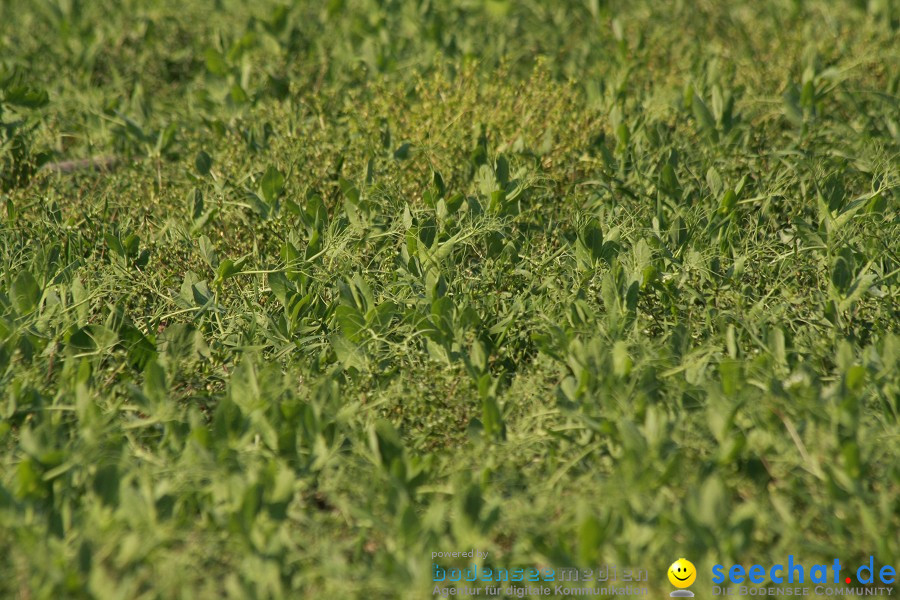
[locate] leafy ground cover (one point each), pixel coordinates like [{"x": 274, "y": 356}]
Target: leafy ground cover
[{"x": 357, "y": 281}]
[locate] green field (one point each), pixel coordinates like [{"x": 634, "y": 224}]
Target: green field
[{"x": 294, "y": 295}]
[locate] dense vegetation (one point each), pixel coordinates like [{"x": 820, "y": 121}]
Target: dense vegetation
[{"x": 360, "y": 280}]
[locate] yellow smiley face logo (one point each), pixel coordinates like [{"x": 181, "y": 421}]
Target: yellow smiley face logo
[{"x": 682, "y": 573}]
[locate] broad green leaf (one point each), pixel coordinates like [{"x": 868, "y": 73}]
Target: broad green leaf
[
  {"x": 589, "y": 244},
  {"x": 244, "y": 387},
  {"x": 155, "y": 386},
  {"x": 590, "y": 539},
  {"x": 728, "y": 203},
  {"x": 704, "y": 117},
  {"x": 114, "y": 244},
  {"x": 139, "y": 347},
  {"x": 238, "y": 95},
  {"x": 622, "y": 363},
  {"x": 131, "y": 244},
  {"x": 25, "y": 293},
  {"x": 195, "y": 203},
  {"x": 351, "y": 202},
  {"x": 272, "y": 184},
  {"x": 215, "y": 62},
  {"x": 668, "y": 182},
  {"x": 350, "y": 321},
  {"x": 208, "y": 251},
  {"x": 385, "y": 442},
  {"x": 228, "y": 268},
  {"x": 714, "y": 181},
  {"x": 26, "y": 97},
  {"x": 92, "y": 338},
  {"x": 203, "y": 163}
]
